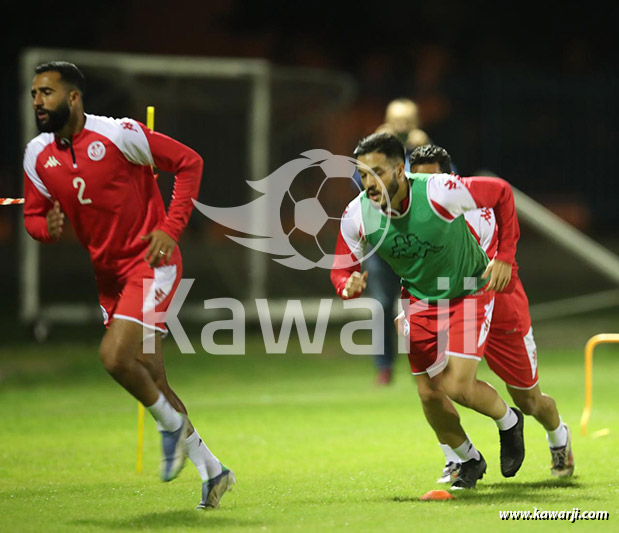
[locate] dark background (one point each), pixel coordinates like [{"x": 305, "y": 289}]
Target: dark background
[{"x": 527, "y": 90}]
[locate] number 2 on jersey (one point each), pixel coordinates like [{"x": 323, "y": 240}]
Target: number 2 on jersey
[{"x": 80, "y": 184}]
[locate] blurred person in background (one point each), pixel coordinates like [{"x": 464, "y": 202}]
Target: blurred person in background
[
  {"x": 97, "y": 171},
  {"x": 510, "y": 351},
  {"x": 402, "y": 120}
]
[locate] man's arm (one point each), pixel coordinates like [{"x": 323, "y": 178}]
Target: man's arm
[
  {"x": 497, "y": 194},
  {"x": 186, "y": 165},
  {"x": 36, "y": 209},
  {"x": 482, "y": 224},
  {"x": 450, "y": 197},
  {"x": 346, "y": 274},
  {"x": 145, "y": 147}
]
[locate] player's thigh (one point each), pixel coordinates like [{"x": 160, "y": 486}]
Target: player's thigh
[
  {"x": 122, "y": 340},
  {"x": 460, "y": 372}
]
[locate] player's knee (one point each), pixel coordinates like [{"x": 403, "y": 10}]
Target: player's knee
[
  {"x": 112, "y": 360},
  {"x": 430, "y": 396},
  {"x": 459, "y": 391}
]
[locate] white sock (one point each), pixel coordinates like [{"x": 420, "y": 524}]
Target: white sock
[
  {"x": 450, "y": 455},
  {"x": 509, "y": 419},
  {"x": 557, "y": 438},
  {"x": 167, "y": 418},
  {"x": 466, "y": 451},
  {"x": 207, "y": 464}
]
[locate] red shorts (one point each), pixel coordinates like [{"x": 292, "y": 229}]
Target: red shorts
[
  {"x": 436, "y": 331},
  {"x": 510, "y": 350},
  {"x": 141, "y": 293}
]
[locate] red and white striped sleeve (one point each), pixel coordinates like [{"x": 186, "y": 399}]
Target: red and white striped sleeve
[
  {"x": 349, "y": 248},
  {"x": 37, "y": 199},
  {"x": 482, "y": 224},
  {"x": 36, "y": 206},
  {"x": 186, "y": 165},
  {"x": 451, "y": 197}
]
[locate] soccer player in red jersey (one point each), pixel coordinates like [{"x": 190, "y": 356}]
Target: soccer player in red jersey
[
  {"x": 510, "y": 350},
  {"x": 97, "y": 171},
  {"x": 414, "y": 221}
]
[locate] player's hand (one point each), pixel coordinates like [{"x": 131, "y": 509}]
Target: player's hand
[
  {"x": 55, "y": 221},
  {"x": 160, "y": 248},
  {"x": 355, "y": 284},
  {"x": 500, "y": 273}
]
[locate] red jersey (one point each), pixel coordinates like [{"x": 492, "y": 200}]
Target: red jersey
[
  {"x": 483, "y": 225},
  {"x": 103, "y": 180}
]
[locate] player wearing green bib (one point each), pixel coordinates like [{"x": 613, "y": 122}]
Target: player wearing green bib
[
  {"x": 415, "y": 224},
  {"x": 421, "y": 246}
]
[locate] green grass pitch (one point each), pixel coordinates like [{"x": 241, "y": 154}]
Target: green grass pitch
[{"x": 314, "y": 444}]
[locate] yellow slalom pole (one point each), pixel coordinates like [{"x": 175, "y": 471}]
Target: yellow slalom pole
[
  {"x": 138, "y": 461},
  {"x": 150, "y": 124},
  {"x": 150, "y": 117},
  {"x": 594, "y": 341}
]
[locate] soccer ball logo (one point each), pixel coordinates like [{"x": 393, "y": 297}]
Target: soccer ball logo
[{"x": 310, "y": 210}]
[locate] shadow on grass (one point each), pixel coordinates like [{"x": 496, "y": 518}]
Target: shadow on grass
[
  {"x": 173, "y": 520},
  {"x": 570, "y": 483},
  {"x": 516, "y": 491}
]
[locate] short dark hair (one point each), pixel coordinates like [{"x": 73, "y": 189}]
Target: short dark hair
[
  {"x": 69, "y": 73},
  {"x": 383, "y": 143},
  {"x": 431, "y": 153}
]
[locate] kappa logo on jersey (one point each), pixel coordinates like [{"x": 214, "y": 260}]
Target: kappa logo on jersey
[
  {"x": 410, "y": 246},
  {"x": 486, "y": 214},
  {"x": 128, "y": 126},
  {"x": 52, "y": 162},
  {"x": 160, "y": 295},
  {"x": 96, "y": 150}
]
